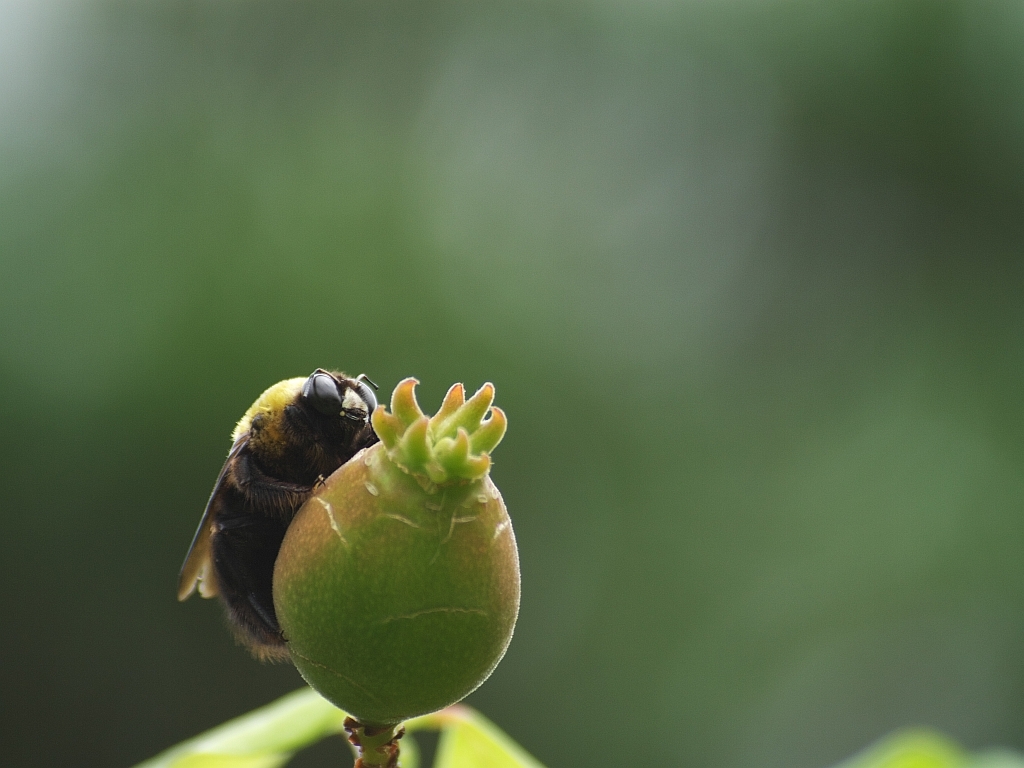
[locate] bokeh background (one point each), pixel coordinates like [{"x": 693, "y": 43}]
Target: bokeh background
[{"x": 747, "y": 276}]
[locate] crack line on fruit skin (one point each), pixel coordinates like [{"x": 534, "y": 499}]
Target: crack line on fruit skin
[
  {"x": 500, "y": 529},
  {"x": 401, "y": 519},
  {"x": 330, "y": 517},
  {"x": 346, "y": 678},
  {"x": 417, "y": 614},
  {"x": 451, "y": 532},
  {"x": 453, "y": 522}
]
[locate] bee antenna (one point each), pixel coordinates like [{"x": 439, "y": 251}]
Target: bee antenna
[{"x": 367, "y": 379}]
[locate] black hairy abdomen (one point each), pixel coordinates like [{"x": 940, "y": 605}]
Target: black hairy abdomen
[{"x": 244, "y": 546}]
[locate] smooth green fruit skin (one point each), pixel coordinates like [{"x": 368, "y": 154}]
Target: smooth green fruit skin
[{"x": 395, "y": 602}]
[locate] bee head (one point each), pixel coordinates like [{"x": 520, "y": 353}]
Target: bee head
[{"x": 350, "y": 398}]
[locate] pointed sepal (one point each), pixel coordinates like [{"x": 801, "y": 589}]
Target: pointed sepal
[{"x": 453, "y": 446}]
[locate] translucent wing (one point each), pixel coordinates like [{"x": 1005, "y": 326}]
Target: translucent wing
[{"x": 197, "y": 571}]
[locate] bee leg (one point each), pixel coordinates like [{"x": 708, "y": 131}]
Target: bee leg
[
  {"x": 266, "y": 493},
  {"x": 268, "y": 619},
  {"x": 244, "y": 547}
]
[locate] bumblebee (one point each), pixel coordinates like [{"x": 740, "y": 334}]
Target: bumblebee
[{"x": 296, "y": 434}]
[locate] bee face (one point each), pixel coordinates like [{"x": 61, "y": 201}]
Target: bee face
[
  {"x": 297, "y": 432},
  {"x": 330, "y": 396}
]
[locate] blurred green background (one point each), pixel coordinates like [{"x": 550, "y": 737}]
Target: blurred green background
[{"x": 747, "y": 276}]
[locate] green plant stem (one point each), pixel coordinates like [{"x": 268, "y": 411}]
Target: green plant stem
[{"x": 376, "y": 745}]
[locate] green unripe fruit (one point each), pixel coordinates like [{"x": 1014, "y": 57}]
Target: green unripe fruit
[{"x": 397, "y": 585}]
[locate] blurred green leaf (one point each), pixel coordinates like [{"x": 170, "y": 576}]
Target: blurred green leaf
[
  {"x": 409, "y": 757},
  {"x": 928, "y": 749},
  {"x": 910, "y": 749},
  {"x": 230, "y": 761},
  {"x": 269, "y": 736},
  {"x": 470, "y": 740},
  {"x": 264, "y": 738}
]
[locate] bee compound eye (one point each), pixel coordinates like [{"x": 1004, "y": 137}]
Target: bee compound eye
[
  {"x": 358, "y": 403},
  {"x": 367, "y": 394},
  {"x": 321, "y": 391}
]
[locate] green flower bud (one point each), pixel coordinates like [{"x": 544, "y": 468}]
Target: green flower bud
[{"x": 397, "y": 585}]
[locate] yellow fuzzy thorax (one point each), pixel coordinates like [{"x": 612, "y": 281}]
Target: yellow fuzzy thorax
[{"x": 272, "y": 402}]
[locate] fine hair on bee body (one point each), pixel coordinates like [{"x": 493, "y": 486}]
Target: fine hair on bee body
[{"x": 296, "y": 434}]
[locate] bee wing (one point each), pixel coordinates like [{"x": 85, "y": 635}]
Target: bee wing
[{"x": 197, "y": 570}]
